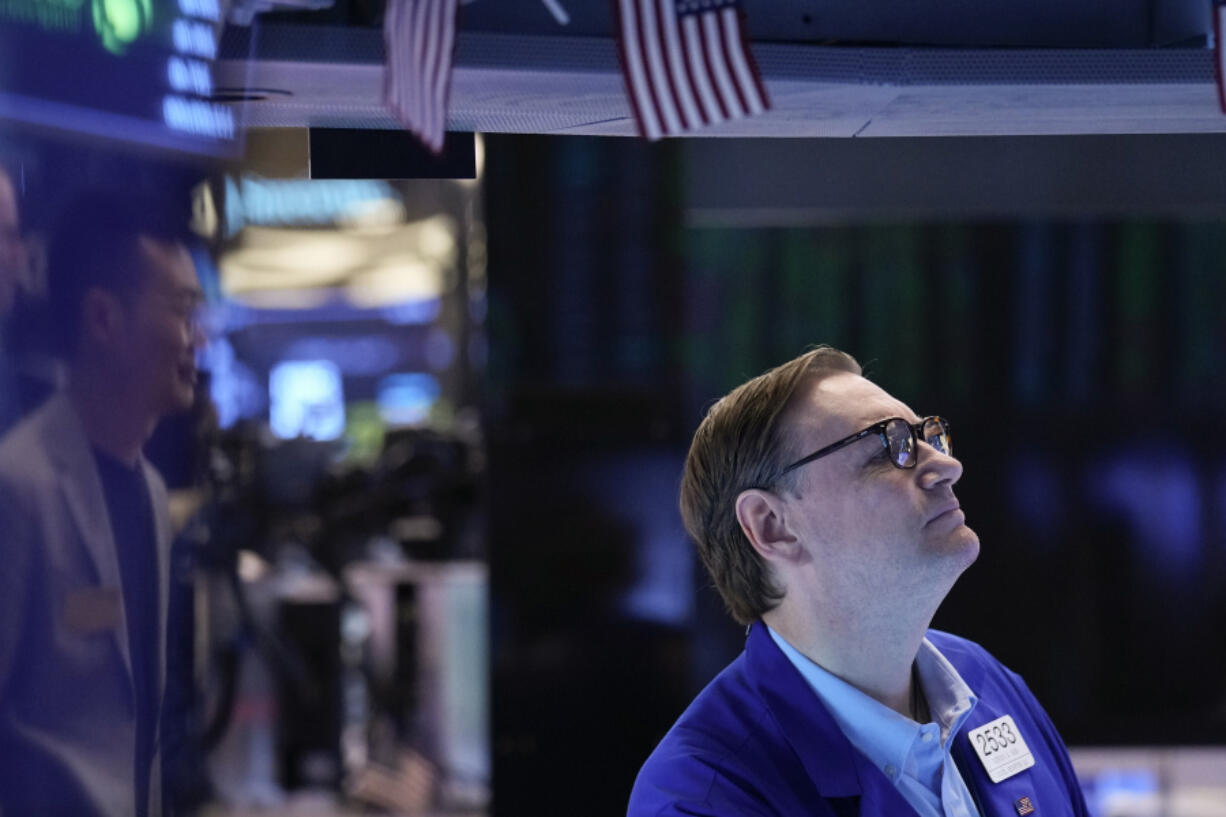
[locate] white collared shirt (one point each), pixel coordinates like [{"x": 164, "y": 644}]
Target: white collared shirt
[{"x": 915, "y": 757}]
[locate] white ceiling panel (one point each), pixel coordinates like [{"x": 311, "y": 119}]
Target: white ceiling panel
[{"x": 570, "y": 85}]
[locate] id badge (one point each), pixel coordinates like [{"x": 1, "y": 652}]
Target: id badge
[
  {"x": 90, "y": 610},
  {"x": 1001, "y": 748}
]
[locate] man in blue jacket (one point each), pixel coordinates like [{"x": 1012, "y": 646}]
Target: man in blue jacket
[{"x": 824, "y": 510}]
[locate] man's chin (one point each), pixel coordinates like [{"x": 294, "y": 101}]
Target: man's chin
[
  {"x": 960, "y": 545},
  {"x": 966, "y": 543}
]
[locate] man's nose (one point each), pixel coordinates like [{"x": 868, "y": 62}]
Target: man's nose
[{"x": 937, "y": 467}]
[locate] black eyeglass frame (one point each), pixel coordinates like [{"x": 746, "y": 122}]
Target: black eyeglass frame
[{"x": 917, "y": 435}]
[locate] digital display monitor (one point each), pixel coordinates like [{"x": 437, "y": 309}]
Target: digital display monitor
[
  {"x": 135, "y": 71},
  {"x": 307, "y": 400},
  {"x": 406, "y": 399}
]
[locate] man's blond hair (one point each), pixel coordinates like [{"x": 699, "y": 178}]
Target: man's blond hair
[{"x": 739, "y": 445}]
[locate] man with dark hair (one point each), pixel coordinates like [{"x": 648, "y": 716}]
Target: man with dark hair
[
  {"x": 83, "y": 521},
  {"x": 824, "y": 510}
]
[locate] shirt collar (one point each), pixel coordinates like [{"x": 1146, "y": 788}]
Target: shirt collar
[
  {"x": 884, "y": 736},
  {"x": 950, "y": 699}
]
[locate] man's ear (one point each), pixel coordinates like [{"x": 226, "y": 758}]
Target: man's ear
[
  {"x": 100, "y": 315},
  {"x": 763, "y": 518}
]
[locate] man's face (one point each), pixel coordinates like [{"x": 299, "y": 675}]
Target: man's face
[
  {"x": 874, "y": 529},
  {"x": 12, "y": 248},
  {"x": 156, "y": 345}
]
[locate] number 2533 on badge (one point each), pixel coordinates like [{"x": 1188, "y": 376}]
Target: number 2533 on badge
[{"x": 1001, "y": 748}]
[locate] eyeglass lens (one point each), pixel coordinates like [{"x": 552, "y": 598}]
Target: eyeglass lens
[
  {"x": 936, "y": 434},
  {"x": 903, "y": 444}
]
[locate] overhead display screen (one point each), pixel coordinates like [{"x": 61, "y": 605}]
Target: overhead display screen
[{"x": 137, "y": 71}]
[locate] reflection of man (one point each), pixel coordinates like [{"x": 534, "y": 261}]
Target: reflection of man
[
  {"x": 12, "y": 248},
  {"x": 12, "y": 262},
  {"x": 824, "y": 510},
  {"x": 83, "y": 524}
]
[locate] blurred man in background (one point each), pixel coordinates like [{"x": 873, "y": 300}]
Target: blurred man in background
[
  {"x": 12, "y": 265},
  {"x": 824, "y": 510},
  {"x": 83, "y": 521},
  {"x": 12, "y": 247}
]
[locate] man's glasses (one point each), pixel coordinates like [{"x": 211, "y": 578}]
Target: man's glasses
[{"x": 898, "y": 437}]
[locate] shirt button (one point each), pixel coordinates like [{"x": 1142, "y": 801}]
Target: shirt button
[
  {"x": 890, "y": 771},
  {"x": 927, "y": 737}
]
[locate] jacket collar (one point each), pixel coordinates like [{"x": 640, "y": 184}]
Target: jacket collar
[
  {"x": 71, "y": 452},
  {"x": 829, "y": 759},
  {"x": 835, "y": 767}
]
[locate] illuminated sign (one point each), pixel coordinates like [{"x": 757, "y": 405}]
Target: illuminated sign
[
  {"x": 132, "y": 70},
  {"x": 194, "y": 40},
  {"x": 296, "y": 203},
  {"x": 119, "y": 22}
]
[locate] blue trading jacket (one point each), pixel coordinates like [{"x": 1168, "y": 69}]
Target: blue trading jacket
[{"x": 757, "y": 741}]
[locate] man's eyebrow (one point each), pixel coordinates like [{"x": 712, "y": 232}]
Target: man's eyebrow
[
  {"x": 879, "y": 420},
  {"x": 904, "y": 414}
]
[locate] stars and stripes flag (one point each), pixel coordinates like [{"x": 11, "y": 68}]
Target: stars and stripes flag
[
  {"x": 419, "y": 36},
  {"x": 687, "y": 64}
]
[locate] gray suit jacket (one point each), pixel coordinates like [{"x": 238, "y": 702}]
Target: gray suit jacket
[{"x": 67, "y": 700}]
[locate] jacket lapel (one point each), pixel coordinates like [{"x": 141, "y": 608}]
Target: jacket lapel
[
  {"x": 840, "y": 773},
  {"x": 70, "y": 450},
  {"x": 164, "y": 537},
  {"x": 994, "y": 799}
]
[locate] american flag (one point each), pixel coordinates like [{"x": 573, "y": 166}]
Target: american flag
[
  {"x": 419, "y": 36},
  {"x": 687, "y": 64}
]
